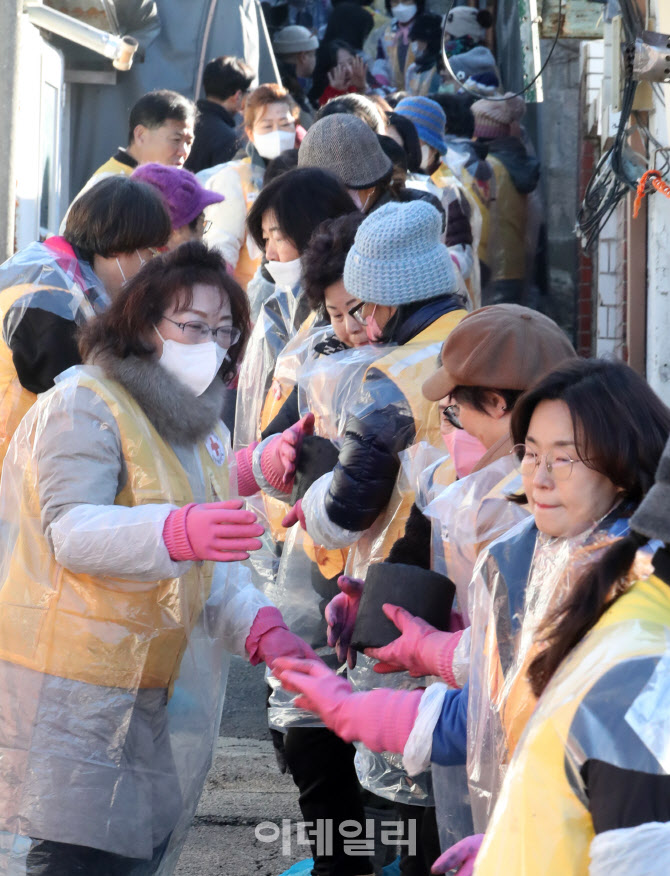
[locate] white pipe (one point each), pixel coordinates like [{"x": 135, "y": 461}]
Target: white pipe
[{"x": 119, "y": 49}]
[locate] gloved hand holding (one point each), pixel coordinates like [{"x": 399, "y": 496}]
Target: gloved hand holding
[
  {"x": 270, "y": 638},
  {"x": 279, "y": 457},
  {"x": 421, "y": 649},
  {"x": 295, "y": 515},
  {"x": 381, "y": 719},
  {"x": 219, "y": 531},
  {"x": 340, "y": 616},
  {"x": 460, "y": 857}
]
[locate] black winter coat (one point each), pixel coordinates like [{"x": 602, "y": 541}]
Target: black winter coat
[{"x": 215, "y": 140}]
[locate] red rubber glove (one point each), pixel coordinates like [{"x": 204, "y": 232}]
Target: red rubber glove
[
  {"x": 219, "y": 531},
  {"x": 340, "y": 616},
  {"x": 295, "y": 515},
  {"x": 460, "y": 857},
  {"x": 270, "y": 638},
  {"x": 420, "y": 650},
  {"x": 381, "y": 719}
]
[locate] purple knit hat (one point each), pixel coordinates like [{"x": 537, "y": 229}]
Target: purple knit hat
[{"x": 184, "y": 197}]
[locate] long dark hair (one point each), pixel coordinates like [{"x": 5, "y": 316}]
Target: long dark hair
[
  {"x": 621, "y": 428},
  {"x": 122, "y": 328},
  {"x": 586, "y": 603}
]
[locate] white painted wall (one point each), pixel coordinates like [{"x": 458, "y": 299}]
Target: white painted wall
[{"x": 658, "y": 243}]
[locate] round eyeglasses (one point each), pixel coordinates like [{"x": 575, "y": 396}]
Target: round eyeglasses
[
  {"x": 197, "y": 332},
  {"x": 558, "y": 463}
]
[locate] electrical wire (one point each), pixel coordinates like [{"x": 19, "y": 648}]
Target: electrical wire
[
  {"x": 615, "y": 174},
  {"x": 500, "y": 98}
]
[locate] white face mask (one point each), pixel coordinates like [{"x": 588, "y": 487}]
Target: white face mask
[
  {"x": 273, "y": 144},
  {"x": 426, "y": 155},
  {"x": 194, "y": 365},
  {"x": 285, "y": 274},
  {"x": 356, "y": 198},
  {"x": 404, "y": 12},
  {"x": 414, "y": 46}
]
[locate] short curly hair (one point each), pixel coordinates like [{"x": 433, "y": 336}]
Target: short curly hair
[{"x": 323, "y": 259}]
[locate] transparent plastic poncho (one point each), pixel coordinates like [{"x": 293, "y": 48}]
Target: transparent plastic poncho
[
  {"x": 424, "y": 468},
  {"x": 39, "y": 278},
  {"x": 306, "y": 580},
  {"x": 609, "y": 701},
  {"x": 519, "y": 580},
  {"x": 112, "y": 667},
  {"x": 280, "y": 318},
  {"x": 45, "y": 267},
  {"x": 468, "y": 515},
  {"x": 283, "y": 377}
]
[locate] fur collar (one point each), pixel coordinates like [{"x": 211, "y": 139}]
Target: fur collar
[{"x": 177, "y": 415}]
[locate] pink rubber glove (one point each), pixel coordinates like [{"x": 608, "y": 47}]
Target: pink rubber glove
[
  {"x": 295, "y": 515},
  {"x": 279, "y": 456},
  {"x": 270, "y": 638},
  {"x": 421, "y": 649},
  {"x": 340, "y": 616},
  {"x": 460, "y": 857},
  {"x": 381, "y": 719},
  {"x": 219, "y": 531}
]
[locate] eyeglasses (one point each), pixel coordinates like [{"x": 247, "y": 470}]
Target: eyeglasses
[
  {"x": 196, "y": 332},
  {"x": 206, "y": 225},
  {"x": 559, "y": 465},
  {"x": 452, "y": 413},
  {"x": 358, "y": 315}
]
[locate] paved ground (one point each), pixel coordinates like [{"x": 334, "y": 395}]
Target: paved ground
[{"x": 244, "y": 788}]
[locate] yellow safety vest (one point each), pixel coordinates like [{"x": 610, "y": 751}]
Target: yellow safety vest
[
  {"x": 408, "y": 366},
  {"x": 539, "y": 824},
  {"x": 511, "y": 215},
  {"x": 98, "y": 630}
]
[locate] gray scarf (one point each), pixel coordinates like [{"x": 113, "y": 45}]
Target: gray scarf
[{"x": 177, "y": 415}]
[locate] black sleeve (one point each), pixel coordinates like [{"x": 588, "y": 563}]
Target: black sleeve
[
  {"x": 213, "y": 144},
  {"x": 624, "y": 798},
  {"x": 459, "y": 230},
  {"x": 288, "y": 415},
  {"x": 368, "y": 464},
  {"x": 413, "y": 547},
  {"x": 43, "y": 342}
]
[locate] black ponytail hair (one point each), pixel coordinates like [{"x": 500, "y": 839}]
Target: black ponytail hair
[{"x": 590, "y": 598}]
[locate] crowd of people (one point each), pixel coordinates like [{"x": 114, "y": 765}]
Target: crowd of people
[{"x": 276, "y": 391}]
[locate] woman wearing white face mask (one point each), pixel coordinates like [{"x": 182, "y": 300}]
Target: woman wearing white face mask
[
  {"x": 269, "y": 123},
  {"x": 121, "y": 580},
  {"x": 394, "y": 44},
  {"x": 281, "y": 222}
]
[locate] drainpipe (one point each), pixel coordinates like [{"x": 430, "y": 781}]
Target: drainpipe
[
  {"x": 119, "y": 49},
  {"x": 10, "y": 14}
]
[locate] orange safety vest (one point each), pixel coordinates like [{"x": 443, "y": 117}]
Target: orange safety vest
[{"x": 101, "y": 630}]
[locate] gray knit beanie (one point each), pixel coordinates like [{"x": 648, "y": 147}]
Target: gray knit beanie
[
  {"x": 652, "y": 517},
  {"x": 347, "y": 147},
  {"x": 398, "y": 257}
]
